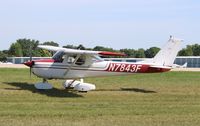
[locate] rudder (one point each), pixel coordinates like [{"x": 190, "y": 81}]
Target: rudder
[{"x": 168, "y": 53}]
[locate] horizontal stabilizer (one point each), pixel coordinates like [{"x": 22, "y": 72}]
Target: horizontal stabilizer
[{"x": 162, "y": 67}]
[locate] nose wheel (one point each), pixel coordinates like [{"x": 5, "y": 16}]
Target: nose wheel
[{"x": 43, "y": 85}]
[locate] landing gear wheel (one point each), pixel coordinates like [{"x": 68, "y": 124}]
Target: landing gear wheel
[{"x": 43, "y": 85}]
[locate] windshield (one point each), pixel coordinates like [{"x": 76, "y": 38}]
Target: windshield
[{"x": 58, "y": 56}]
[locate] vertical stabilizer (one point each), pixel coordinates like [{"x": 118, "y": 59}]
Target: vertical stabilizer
[{"x": 168, "y": 53}]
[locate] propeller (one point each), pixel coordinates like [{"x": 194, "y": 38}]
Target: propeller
[
  {"x": 31, "y": 58},
  {"x": 30, "y": 63}
]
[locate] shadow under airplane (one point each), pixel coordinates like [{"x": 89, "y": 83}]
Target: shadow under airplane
[
  {"x": 62, "y": 92},
  {"x": 129, "y": 89},
  {"x": 52, "y": 93},
  {"x": 138, "y": 90}
]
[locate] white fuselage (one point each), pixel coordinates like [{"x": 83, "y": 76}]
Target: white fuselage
[
  {"x": 54, "y": 70},
  {"x": 58, "y": 70}
]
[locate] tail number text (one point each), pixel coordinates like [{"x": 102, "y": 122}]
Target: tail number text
[{"x": 120, "y": 67}]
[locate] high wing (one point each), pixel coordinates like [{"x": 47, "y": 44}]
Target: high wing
[{"x": 75, "y": 51}]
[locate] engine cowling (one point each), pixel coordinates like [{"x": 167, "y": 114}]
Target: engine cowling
[{"x": 79, "y": 86}]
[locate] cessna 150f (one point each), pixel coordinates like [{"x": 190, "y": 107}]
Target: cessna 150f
[{"x": 75, "y": 64}]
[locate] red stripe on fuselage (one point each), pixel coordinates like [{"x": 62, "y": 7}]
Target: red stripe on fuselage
[{"x": 45, "y": 60}]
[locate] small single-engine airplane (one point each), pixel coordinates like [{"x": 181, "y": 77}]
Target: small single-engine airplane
[
  {"x": 75, "y": 64},
  {"x": 180, "y": 66}
]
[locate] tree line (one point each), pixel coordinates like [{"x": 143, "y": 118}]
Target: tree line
[{"x": 28, "y": 47}]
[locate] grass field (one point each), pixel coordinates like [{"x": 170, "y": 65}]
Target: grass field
[{"x": 167, "y": 99}]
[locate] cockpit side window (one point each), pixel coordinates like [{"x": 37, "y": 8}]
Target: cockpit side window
[
  {"x": 85, "y": 60},
  {"x": 81, "y": 60},
  {"x": 70, "y": 58}
]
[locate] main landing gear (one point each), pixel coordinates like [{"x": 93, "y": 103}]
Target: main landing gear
[
  {"x": 43, "y": 85},
  {"x": 68, "y": 84},
  {"x": 78, "y": 85}
]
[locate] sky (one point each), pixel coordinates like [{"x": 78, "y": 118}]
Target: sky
[{"x": 110, "y": 23}]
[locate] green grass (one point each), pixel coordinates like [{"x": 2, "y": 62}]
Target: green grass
[{"x": 167, "y": 99}]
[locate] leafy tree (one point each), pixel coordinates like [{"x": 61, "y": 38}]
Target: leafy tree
[
  {"x": 25, "y": 47},
  {"x": 3, "y": 56},
  {"x": 81, "y": 47},
  {"x": 151, "y": 52},
  {"x": 28, "y": 46},
  {"x": 186, "y": 51},
  {"x": 5, "y": 52},
  {"x": 128, "y": 52},
  {"x": 101, "y": 48},
  {"x": 70, "y": 46},
  {"x": 15, "y": 50},
  {"x": 46, "y": 53},
  {"x": 140, "y": 53},
  {"x": 43, "y": 53},
  {"x": 196, "y": 49},
  {"x": 51, "y": 43}
]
